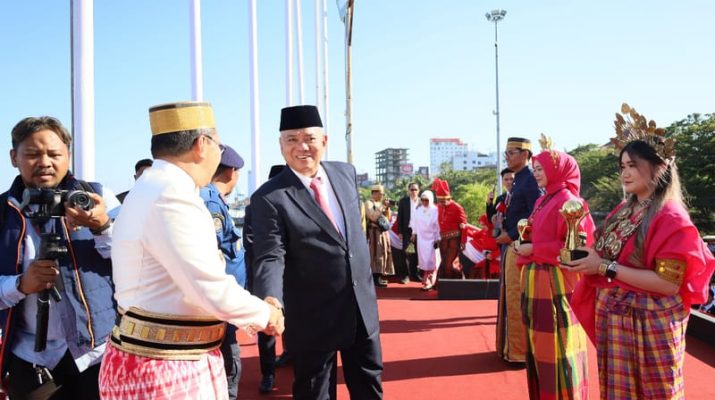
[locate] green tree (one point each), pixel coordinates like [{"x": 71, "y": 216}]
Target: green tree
[
  {"x": 600, "y": 185},
  {"x": 695, "y": 156},
  {"x": 472, "y": 197}
]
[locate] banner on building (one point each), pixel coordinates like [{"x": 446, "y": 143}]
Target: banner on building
[{"x": 406, "y": 169}]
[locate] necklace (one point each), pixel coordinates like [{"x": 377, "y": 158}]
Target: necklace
[
  {"x": 618, "y": 229},
  {"x": 645, "y": 202}
]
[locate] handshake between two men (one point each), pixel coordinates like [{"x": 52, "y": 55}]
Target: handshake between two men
[{"x": 276, "y": 322}]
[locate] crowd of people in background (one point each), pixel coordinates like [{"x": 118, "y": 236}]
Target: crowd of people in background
[{"x": 159, "y": 278}]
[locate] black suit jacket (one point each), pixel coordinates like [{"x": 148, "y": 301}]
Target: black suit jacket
[
  {"x": 404, "y": 211},
  {"x": 323, "y": 279}
]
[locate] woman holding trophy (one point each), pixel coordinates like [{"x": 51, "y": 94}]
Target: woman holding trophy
[
  {"x": 556, "y": 359},
  {"x": 648, "y": 266}
]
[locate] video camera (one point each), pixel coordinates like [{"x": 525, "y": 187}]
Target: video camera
[{"x": 51, "y": 202}]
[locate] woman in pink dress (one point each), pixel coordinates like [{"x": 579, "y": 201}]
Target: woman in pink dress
[{"x": 648, "y": 266}]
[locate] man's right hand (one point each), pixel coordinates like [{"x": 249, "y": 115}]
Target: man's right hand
[
  {"x": 40, "y": 275},
  {"x": 276, "y": 321}
]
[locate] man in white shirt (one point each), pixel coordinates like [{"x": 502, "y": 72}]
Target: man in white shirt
[{"x": 171, "y": 285}]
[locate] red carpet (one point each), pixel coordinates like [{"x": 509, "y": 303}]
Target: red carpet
[{"x": 442, "y": 349}]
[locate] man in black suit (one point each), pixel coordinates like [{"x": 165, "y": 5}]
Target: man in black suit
[
  {"x": 266, "y": 343},
  {"x": 406, "y": 263},
  {"x": 309, "y": 250}
]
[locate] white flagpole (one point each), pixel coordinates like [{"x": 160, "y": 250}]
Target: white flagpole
[
  {"x": 326, "y": 103},
  {"x": 299, "y": 32},
  {"x": 289, "y": 52},
  {"x": 318, "y": 54},
  {"x": 254, "y": 178},
  {"x": 319, "y": 63},
  {"x": 82, "y": 42},
  {"x": 197, "y": 84}
]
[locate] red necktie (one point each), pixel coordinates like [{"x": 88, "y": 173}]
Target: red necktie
[{"x": 321, "y": 197}]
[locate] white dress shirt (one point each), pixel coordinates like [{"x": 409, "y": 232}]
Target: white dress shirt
[{"x": 165, "y": 257}]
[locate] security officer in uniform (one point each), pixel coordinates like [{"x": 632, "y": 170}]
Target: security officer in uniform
[{"x": 214, "y": 195}]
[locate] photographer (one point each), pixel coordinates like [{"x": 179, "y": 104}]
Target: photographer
[
  {"x": 79, "y": 324},
  {"x": 377, "y": 209}
]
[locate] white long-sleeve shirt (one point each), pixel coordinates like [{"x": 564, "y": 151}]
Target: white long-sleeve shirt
[{"x": 165, "y": 257}]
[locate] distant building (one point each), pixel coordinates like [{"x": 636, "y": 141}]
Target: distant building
[
  {"x": 362, "y": 178},
  {"x": 443, "y": 151},
  {"x": 471, "y": 160},
  {"x": 423, "y": 172},
  {"x": 388, "y": 165}
]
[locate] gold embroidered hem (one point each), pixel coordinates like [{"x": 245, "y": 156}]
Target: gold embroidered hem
[
  {"x": 450, "y": 235},
  {"x": 511, "y": 332},
  {"x": 165, "y": 336}
]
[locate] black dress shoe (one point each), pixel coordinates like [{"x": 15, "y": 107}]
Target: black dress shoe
[
  {"x": 282, "y": 360},
  {"x": 380, "y": 282},
  {"x": 266, "y": 385}
]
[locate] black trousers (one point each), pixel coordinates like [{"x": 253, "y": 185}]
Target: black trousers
[
  {"x": 73, "y": 385},
  {"x": 316, "y": 371},
  {"x": 467, "y": 266},
  {"x": 267, "y": 353},
  {"x": 231, "y": 353},
  {"x": 412, "y": 263},
  {"x": 400, "y": 260}
]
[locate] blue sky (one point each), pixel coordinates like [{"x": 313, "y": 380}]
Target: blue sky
[{"x": 421, "y": 69}]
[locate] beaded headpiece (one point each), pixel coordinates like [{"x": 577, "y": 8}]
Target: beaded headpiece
[
  {"x": 547, "y": 145},
  {"x": 632, "y": 126}
]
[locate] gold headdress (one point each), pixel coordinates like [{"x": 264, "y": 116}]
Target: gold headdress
[
  {"x": 546, "y": 145},
  {"x": 635, "y": 127}
]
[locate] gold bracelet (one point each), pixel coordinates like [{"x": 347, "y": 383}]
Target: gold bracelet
[{"x": 602, "y": 267}]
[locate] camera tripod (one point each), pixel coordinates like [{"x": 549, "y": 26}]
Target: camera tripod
[{"x": 51, "y": 248}]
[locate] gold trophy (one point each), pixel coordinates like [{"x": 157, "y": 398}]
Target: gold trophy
[
  {"x": 573, "y": 213},
  {"x": 523, "y": 227}
]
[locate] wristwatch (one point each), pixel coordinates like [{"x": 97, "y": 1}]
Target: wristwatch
[
  {"x": 18, "y": 282},
  {"x": 611, "y": 270}
]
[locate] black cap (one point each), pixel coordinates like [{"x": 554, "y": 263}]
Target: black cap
[
  {"x": 229, "y": 158},
  {"x": 299, "y": 117}
]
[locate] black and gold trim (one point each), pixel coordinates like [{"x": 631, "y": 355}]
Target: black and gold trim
[{"x": 166, "y": 336}]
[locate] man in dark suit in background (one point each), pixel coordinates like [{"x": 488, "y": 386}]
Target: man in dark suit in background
[
  {"x": 406, "y": 263},
  {"x": 310, "y": 252},
  {"x": 139, "y": 169}
]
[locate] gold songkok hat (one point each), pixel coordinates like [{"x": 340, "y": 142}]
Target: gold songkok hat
[
  {"x": 519, "y": 143},
  {"x": 181, "y": 116},
  {"x": 631, "y": 126}
]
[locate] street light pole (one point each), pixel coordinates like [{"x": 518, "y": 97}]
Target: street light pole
[{"x": 496, "y": 16}]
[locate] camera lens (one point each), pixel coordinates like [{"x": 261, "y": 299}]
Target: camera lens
[{"x": 80, "y": 199}]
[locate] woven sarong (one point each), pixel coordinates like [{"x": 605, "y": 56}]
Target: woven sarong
[
  {"x": 128, "y": 376},
  {"x": 511, "y": 334},
  {"x": 641, "y": 345},
  {"x": 556, "y": 356}
]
